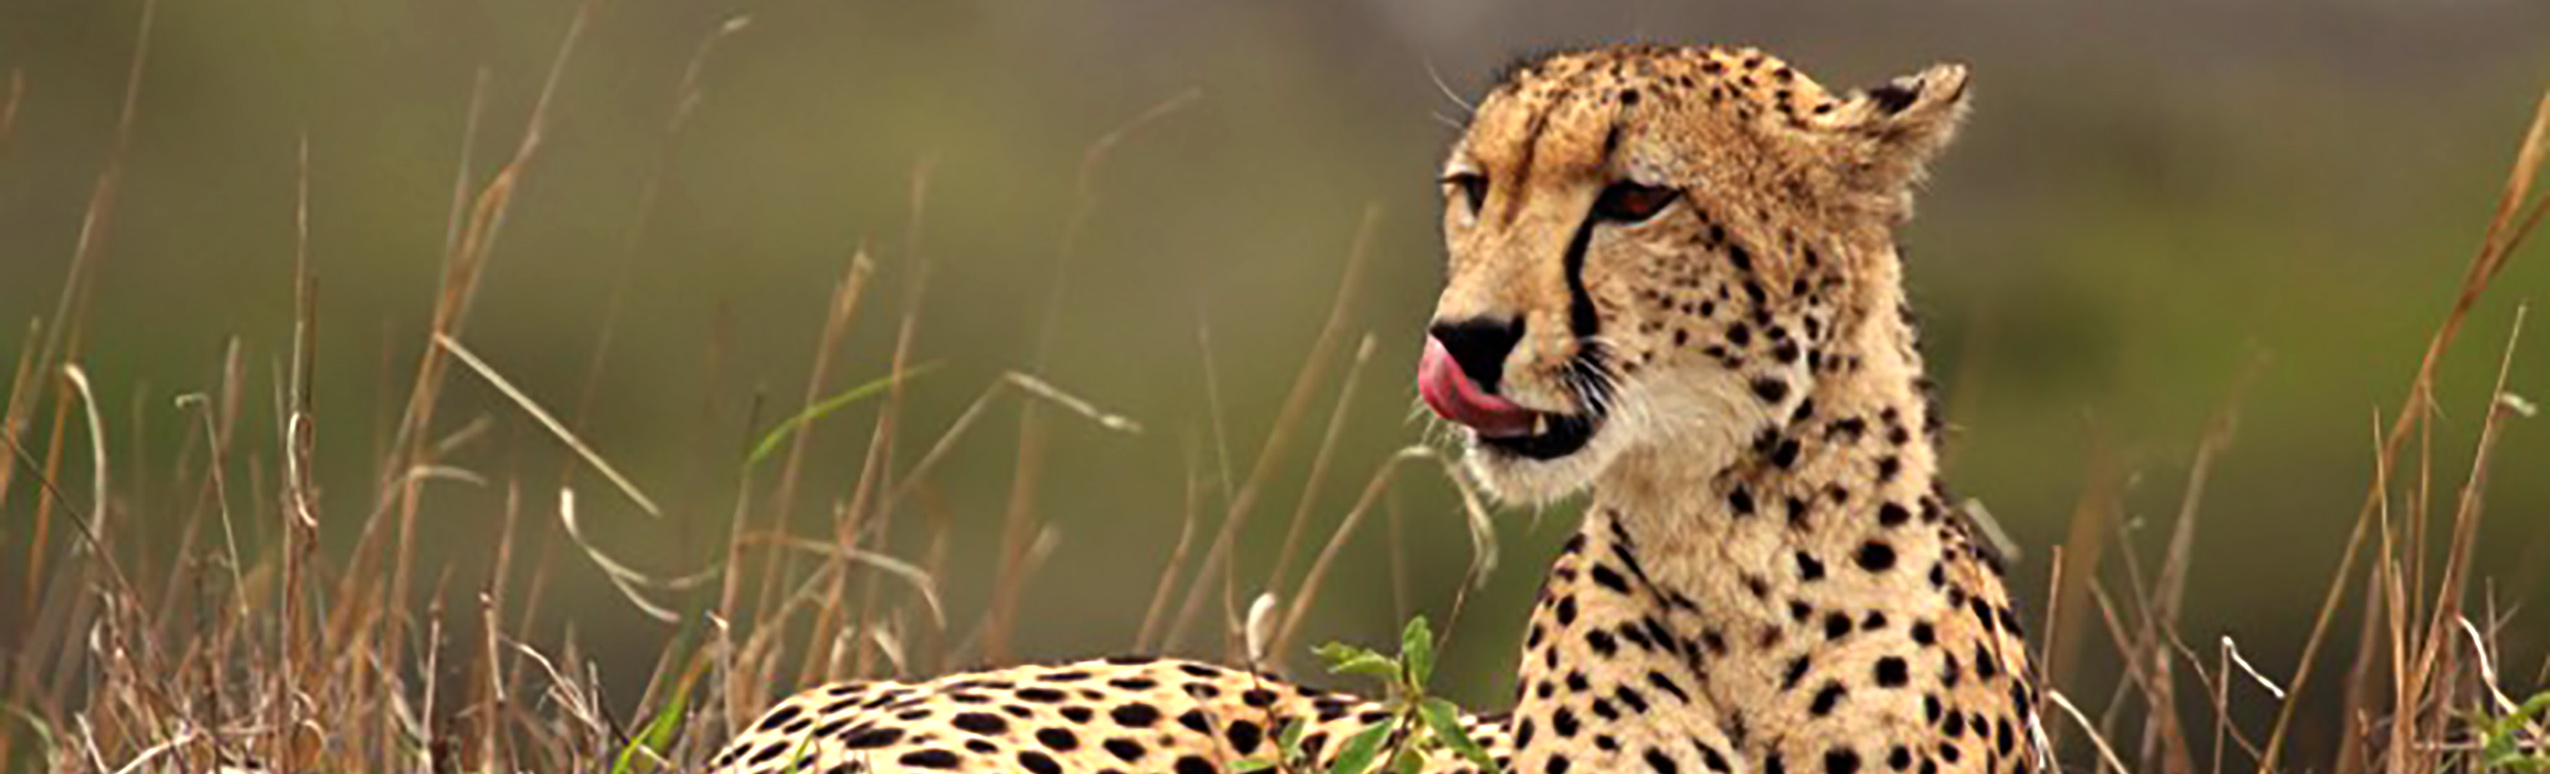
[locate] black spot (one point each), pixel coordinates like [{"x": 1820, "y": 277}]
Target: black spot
[
  {"x": 1125, "y": 750},
  {"x": 1564, "y": 722},
  {"x": 1667, "y": 685},
  {"x": 1892, "y": 672},
  {"x": 1602, "y": 643},
  {"x": 1058, "y": 739},
  {"x": 1826, "y": 698},
  {"x": 872, "y": 738},
  {"x": 1660, "y": 763},
  {"x": 1841, "y": 760},
  {"x": 1836, "y": 625},
  {"x": 1610, "y": 579},
  {"x": 1709, "y": 756},
  {"x": 1796, "y": 669},
  {"x": 929, "y": 759},
  {"x": 1637, "y": 702},
  {"x": 1740, "y": 500},
  {"x": 1785, "y": 454},
  {"x": 779, "y": 717},
  {"x": 1038, "y": 763},
  {"x": 1194, "y": 765},
  {"x": 982, "y": 723},
  {"x": 1893, "y": 515},
  {"x": 1770, "y": 390},
  {"x": 1195, "y": 720},
  {"x": 1135, "y": 715},
  {"x": 1876, "y": 556},
  {"x": 1809, "y": 568}
]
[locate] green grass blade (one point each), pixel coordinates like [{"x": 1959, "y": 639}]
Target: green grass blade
[
  {"x": 658, "y": 736},
  {"x": 770, "y": 442}
]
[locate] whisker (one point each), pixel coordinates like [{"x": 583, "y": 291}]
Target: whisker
[{"x": 1446, "y": 88}]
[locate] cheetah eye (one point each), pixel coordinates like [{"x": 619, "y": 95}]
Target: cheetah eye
[
  {"x": 1474, "y": 188},
  {"x": 1627, "y": 202}
]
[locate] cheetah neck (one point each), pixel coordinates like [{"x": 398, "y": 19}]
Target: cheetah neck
[{"x": 1706, "y": 577}]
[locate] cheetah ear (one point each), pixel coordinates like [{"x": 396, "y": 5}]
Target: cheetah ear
[{"x": 1887, "y": 134}]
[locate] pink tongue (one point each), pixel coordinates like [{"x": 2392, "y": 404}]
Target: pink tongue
[{"x": 1453, "y": 396}]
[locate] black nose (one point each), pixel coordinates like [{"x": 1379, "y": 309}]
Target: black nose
[{"x": 1479, "y": 345}]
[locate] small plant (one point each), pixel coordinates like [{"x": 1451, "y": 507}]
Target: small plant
[
  {"x": 2507, "y": 743},
  {"x": 1419, "y": 725}
]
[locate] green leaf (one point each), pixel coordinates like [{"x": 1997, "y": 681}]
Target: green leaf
[
  {"x": 1336, "y": 653},
  {"x": 657, "y": 737},
  {"x": 1246, "y": 765},
  {"x": 1344, "y": 659},
  {"x": 770, "y": 442},
  {"x": 1416, "y": 646},
  {"x": 1358, "y": 755},
  {"x": 1410, "y": 762},
  {"x": 1444, "y": 719},
  {"x": 1370, "y": 666}
]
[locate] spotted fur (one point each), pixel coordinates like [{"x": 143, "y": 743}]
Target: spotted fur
[
  {"x": 1120, "y": 715},
  {"x": 1768, "y": 578}
]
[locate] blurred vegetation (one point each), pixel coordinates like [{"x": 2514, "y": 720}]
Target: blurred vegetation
[{"x": 2150, "y": 201}]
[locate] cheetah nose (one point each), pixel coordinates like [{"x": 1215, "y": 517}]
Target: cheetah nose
[
  {"x": 1479, "y": 345},
  {"x": 1445, "y": 380}
]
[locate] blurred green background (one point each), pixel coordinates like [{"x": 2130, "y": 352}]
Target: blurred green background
[{"x": 2150, "y": 197}]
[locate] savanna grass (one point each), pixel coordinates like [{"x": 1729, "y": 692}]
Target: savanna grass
[{"x": 195, "y": 651}]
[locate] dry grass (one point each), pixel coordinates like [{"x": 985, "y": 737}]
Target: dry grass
[{"x": 146, "y": 653}]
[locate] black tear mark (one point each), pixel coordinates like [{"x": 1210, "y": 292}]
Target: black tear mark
[{"x": 1580, "y": 303}]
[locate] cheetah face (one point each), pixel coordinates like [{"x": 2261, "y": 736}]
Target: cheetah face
[{"x": 1650, "y": 247}]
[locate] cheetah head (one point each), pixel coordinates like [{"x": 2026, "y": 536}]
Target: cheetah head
[{"x": 1651, "y": 250}]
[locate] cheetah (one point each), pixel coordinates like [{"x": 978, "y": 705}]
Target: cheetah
[{"x": 1672, "y": 283}]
